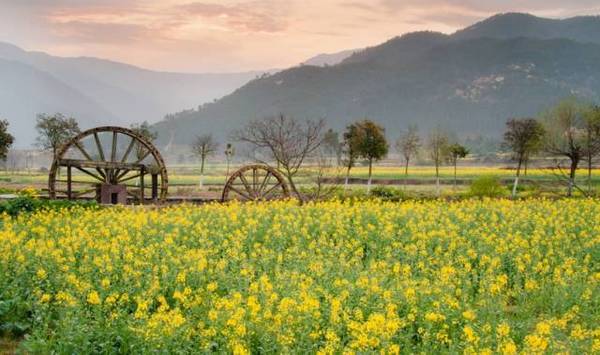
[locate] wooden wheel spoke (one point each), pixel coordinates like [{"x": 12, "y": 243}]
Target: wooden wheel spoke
[
  {"x": 265, "y": 182},
  {"x": 113, "y": 153},
  {"x": 129, "y": 148},
  {"x": 241, "y": 193},
  {"x": 269, "y": 191},
  {"x": 83, "y": 192},
  {"x": 246, "y": 184},
  {"x": 143, "y": 157},
  {"x": 254, "y": 181},
  {"x": 99, "y": 146},
  {"x": 130, "y": 178},
  {"x": 99, "y": 178},
  {"x": 120, "y": 174},
  {"x": 83, "y": 151},
  {"x": 102, "y": 173}
]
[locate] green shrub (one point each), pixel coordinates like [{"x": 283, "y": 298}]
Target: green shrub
[
  {"x": 23, "y": 204},
  {"x": 388, "y": 193},
  {"x": 487, "y": 186}
]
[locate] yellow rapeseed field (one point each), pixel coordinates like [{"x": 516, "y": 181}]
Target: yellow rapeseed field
[{"x": 477, "y": 276}]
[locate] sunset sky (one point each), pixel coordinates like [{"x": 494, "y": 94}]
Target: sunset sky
[{"x": 236, "y": 35}]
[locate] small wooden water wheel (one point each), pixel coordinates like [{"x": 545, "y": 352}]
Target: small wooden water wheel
[
  {"x": 109, "y": 163},
  {"x": 255, "y": 183}
]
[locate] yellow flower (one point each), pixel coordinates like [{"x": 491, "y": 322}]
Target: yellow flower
[
  {"x": 469, "y": 315},
  {"x": 41, "y": 274},
  {"x": 45, "y": 298},
  {"x": 105, "y": 283},
  {"x": 503, "y": 330},
  {"x": 543, "y": 328},
  {"x": 536, "y": 342},
  {"x": 93, "y": 298},
  {"x": 508, "y": 348},
  {"x": 434, "y": 317},
  {"x": 470, "y": 334}
]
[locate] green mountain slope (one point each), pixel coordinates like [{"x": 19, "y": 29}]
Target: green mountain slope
[{"x": 470, "y": 86}]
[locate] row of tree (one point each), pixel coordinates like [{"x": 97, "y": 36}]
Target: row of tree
[{"x": 570, "y": 130}]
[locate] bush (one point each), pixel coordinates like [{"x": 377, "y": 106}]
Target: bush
[
  {"x": 25, "y": 204},
  {"x": 487, "y": 186},
  {"x": 388, "y": 193}
]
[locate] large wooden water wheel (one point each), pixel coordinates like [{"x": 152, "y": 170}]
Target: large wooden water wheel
[
  {"x": 109, "y": 163},
  {"x": 255, "y": 183}
]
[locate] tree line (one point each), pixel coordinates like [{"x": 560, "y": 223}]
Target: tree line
[{"x": 570, "y": 130}]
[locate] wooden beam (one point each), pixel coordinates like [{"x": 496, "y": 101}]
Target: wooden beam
[{"x": 99, "y": 164}]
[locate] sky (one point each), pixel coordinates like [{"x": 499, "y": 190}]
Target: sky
[{"x": 240, "y": 35}]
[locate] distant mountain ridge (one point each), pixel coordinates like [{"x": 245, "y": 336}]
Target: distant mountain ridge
[
  {"x": 109, "y": 92},
  {"x": 469, "y": 82},
  {"x": 585, "y": 29},
  {"x": 326, "y": 59}
]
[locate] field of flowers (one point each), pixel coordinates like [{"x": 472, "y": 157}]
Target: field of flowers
[{"x": 330, "y": 277}]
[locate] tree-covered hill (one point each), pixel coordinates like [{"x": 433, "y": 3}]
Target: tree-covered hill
[{"x": 468, "y": 83}]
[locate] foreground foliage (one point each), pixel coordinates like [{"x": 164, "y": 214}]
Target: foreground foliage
[{"x": 490, "y": 275}]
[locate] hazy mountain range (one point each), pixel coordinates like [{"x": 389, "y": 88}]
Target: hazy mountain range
[
  {"x": 469, "y": 82},
  {"x": 97, "y": 91}
]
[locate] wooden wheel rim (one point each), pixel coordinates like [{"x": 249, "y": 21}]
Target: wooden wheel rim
[
  {"x": 255, "y": 190},
  {"x": 75, "y": 142}
]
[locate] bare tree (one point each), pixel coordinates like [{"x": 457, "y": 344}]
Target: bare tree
[
  {"x": 438, "y": 150},
  {"x": 54, "y": 131},
  {"x": 204, "y": 146},
  {"x": 565, "y": 136},
  {"x": 408, "y": 145},
  {"x": 523, "y": 137},
  {"x": 286, "y": 140}
]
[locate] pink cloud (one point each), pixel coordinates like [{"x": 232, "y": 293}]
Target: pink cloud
[{"x": 249, "y": 16}]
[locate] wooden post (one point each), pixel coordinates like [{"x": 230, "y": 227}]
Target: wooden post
[
  {"x": 142, "y": 172},
  {"x": 68, "y": 182},
  {"x": 154, "y": 187}
]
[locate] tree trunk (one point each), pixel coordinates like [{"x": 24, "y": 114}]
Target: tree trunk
[
  {"x": 437, "y": 179},
  {"x": 455, "y": 163},
  {"x": 202, "y": 172},
  {"x": 526, "y": 163},
  {"x": 347, "y": 177},
  {"x": 516, "y": 183},
  {"x": 290, "y": 179},
  {"x": 589, "y": 179},
  {"x": 370, "y": 171},
  {"x": 406, "y": 173},
  {"x": 572, "y": 172}
]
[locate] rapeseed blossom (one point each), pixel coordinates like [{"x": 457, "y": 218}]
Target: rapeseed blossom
[{"x": 476, "y": 276}]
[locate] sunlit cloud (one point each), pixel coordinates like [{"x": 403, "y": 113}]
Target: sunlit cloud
[{"x": 234, "y": 35}]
